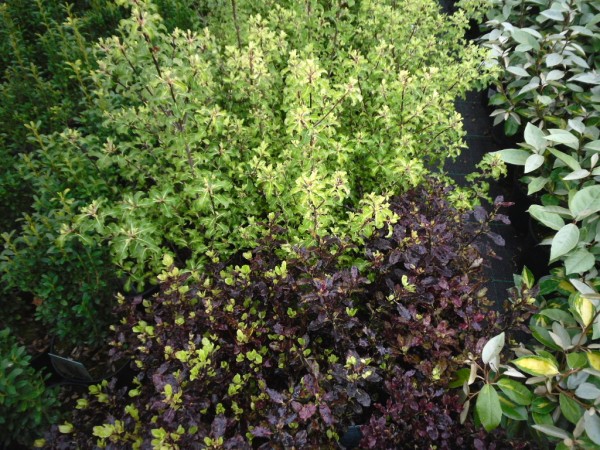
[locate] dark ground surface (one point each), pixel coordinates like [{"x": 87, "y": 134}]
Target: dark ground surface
[{"x": 479, "y": 139}]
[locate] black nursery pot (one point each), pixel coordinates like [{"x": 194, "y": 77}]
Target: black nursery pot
[
  {"x": 42, "y": 364},
  {"x": 351, "y": 438}
]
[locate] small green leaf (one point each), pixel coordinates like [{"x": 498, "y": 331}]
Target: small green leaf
[
  {"x": 459, "y": 378},
  {"x": 542, "y": 419},
  {"x": 515, "y": 391},
  {"x": 570, "y": 408},
  {"x": 553, "y": 431},
  {"x": 488, "y": 407},
  {"x": 542, "y": 335},
  {"x": 542, "y": 405},
  {"x": 512, "y": 410},
  {"x": 576, "y": 360},
  {"x": 579, "y": 262},
  {"x": 592, "y": 146},
  {"x": 587, "y": 391},
  {"x": 564, "y": 241},
  {"x": 553, "y": 59},
  {"x": 585, "y": 202},
  {"x": 533, "y": 162},
  {"x": 588, "y": 78},
  {"x": 522, "y": 37},
  {"x": 535, "y": 137},
  {"x": 592, "y": 426},
  {"x": 555, "y": 75},
  {"x": 577, "y": 175},
  {"x": 551, "y": 220},
  {"x": 536, "y": 184},
  {"x": 519, "y": 71},
  {"x": 567, "y": 159},
  {"x": 513, "y": 156},
  {"x": 553, "y": 14},
  {"x": 563, "y": 137}
]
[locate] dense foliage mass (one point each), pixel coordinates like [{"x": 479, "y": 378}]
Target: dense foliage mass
[
  {"x": 281, "y": 353},
  {"x": 550, "y": 388},
  {"x": 314, "y": 112},
  {"x": 550, "y": 90},
  {"x": 46, "y": 60},
  {"x": 26, "y": 406}
]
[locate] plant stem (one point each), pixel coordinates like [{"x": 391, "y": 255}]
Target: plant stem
[{"x": 236, "y": 24}]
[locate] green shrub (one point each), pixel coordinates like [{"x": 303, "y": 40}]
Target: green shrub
[
  {"x": 553, "y": 385},
  {"x": 549, "y": 53},
  {"x": 46, "y": 58},
  {"x": 551, "y": 89},
  {"x": 27, "y": 408},
  {"x": 308, "y": 113}
]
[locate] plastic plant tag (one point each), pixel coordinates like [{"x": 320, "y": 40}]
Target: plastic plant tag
[{"x": 69, "y": 368}]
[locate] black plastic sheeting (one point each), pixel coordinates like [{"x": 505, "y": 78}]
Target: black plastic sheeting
[{"x": 478, "y": 126}]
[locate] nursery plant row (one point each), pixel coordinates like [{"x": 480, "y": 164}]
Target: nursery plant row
[
  {"x": 548, "y": 99},
  {"x": 276, "y": 170}
]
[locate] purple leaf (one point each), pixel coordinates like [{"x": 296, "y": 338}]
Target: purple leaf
[
  {"x": 275, "y": 396},
  {"x": 363, "y": 398},
  {"x": 480, "y": 214},
  {"x": 325, "y": 413},
  {"x": 307, "y": 411},
  {"x": 498, "y": 240},
  {"x": 219, "y": 426},
  {"x": 261, "y": 432}
]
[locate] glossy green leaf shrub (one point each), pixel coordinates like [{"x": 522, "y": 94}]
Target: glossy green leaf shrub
[
  {"x": 282, "y": 350},
  {"x": 553, "y": 385},
  {"x": 312, "y": 113},
  {"x": 569, "y": 192},
  {"x": 551, "y": 89},
  {"x": 27, "y": 408},
  {"x": 45, "y": 59},
  {"x": 548, "y": 51}
]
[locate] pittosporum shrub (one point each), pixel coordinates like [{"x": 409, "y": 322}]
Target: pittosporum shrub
[
  {"x": 26, "y": 406},
  {"x": 289, "y": 346},
  {"x": 299, "y": 110}
]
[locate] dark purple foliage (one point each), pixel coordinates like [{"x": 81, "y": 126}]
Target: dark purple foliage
[{"x": 317, "y": 347}]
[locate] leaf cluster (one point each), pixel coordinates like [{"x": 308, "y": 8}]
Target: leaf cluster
[
  {"x": 548, "y": 51},
  {"x": 26, "y": 406},
  {"x": 283, "y": 349},
  {"x": 272, "y": 108},
  {"x": 553, "y": 385},
  {"x": 48, "y": 174}
]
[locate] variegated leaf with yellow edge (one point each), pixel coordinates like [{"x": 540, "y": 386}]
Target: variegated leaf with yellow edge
[
  {"x": 585, "y": 309},
  {"x": 537, "y": 366},
  {"x": 594, "y": 360}
]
